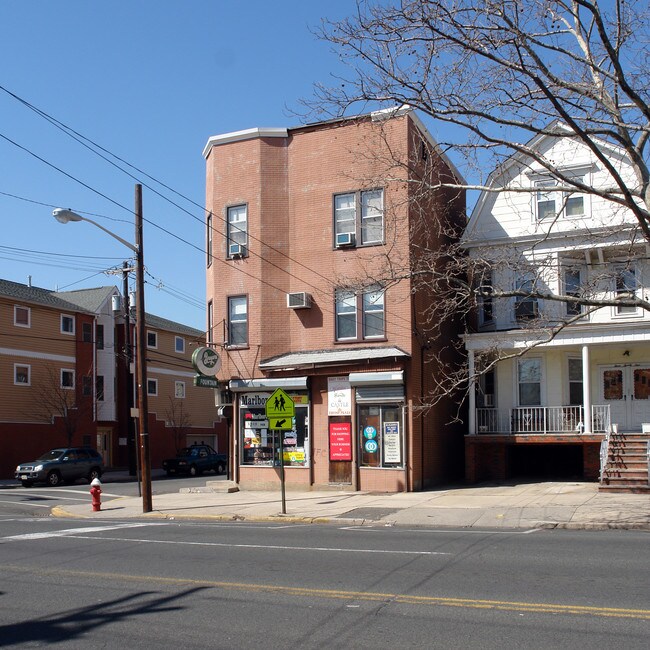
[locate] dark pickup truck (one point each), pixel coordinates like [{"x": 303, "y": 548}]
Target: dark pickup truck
[{"x": 195, "y": 460}]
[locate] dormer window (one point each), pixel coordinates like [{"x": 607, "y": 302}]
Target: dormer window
[{"x": 552, "y": 203}]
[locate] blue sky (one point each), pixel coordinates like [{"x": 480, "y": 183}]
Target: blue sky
[{"x": 150, "y": 81}]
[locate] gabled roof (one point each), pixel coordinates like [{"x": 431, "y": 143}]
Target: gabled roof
[
  {"x": 556, "y": 130},
  {"x": 39, "y": 296},
  {"x": 88, "y": 299},
  {"x": 159, "y": 323}
]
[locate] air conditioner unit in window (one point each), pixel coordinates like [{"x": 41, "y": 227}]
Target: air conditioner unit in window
[
  {"x": 235, "y": 250},
  {"x": 345, "y": 239},
  {"x": 299, "y": 300}
]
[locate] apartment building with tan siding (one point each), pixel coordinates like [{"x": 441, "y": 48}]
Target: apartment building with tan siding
[{"x": 65, "y": 379}]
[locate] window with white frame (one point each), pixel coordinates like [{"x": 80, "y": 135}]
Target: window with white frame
[
  {"x": 572, "y": 279},
  {"x": 575, "y": 381},
  {"x": 179, "y": 389},
  {"x": 626, "y": 285},
  {"x": 486, "y": 303},
  {"x": 67, "y": 324},
  {"x": 22, "y": 316},
  {"x": 551, "y": 202},
  {"x": 236, "y": 230},
  {"x": 22, "y": 374},
  {"x": 529, "y": 379},
  {"x": 67, "y": 378},
  {"x": 360, "y": 316},
  {"x": 152, "y": 340},
  {"x": 179, "y": 344},
  {"x": 238, "y": 321},
  {"x": 526, "y": 305},
  {"x": 361, "y": 215},
  {"x": 152, "y": 387}
]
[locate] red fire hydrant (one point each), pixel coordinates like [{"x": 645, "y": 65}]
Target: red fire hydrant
[{"x": 96, "y": 492}]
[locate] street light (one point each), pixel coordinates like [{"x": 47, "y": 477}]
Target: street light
[{"x": 65, "y": 216}]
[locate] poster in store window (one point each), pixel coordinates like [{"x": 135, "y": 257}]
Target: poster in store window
[{"x": 392, "y": 443}]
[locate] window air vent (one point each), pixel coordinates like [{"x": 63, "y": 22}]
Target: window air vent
[{"x": 299, "y": 300}]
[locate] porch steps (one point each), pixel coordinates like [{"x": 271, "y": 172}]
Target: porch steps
[{"x": 627, "y": 464}]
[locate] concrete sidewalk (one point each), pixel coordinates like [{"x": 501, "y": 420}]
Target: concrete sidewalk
[{"x": 510, "y": 505}]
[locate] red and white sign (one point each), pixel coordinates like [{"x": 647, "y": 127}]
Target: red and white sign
[{"x": 340, "y": 441}]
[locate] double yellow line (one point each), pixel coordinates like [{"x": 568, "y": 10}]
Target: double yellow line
[{"x": 363, "y": 596}]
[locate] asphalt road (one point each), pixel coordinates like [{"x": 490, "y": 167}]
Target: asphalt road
[
  {"x": 137, "y": 584},
  {"x": 38, "y": 501}
]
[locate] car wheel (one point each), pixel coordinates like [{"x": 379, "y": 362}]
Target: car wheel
[
  {"x": 221, "y": 468},
  {"x": 27, "y": 483},
  {"x": 94, "y": 473},
  {"x": 53, "y": 479},
  {"x": 194, "y": 470}
]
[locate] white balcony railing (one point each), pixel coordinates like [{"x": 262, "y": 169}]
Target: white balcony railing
[{"x": 541, "y": 420}]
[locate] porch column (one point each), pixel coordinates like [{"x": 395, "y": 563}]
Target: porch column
[
  {"x": 586, "y": 390},
  {"x": 471, "y": 421}
]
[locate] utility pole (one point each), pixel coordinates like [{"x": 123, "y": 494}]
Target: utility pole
[{"x": 143, "y": 409}]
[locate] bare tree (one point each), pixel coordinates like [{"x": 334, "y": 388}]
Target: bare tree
[
  {"x": 57, "y": 402},
  {"x": 178, "y": 421},
  {"x": 494, "y": 75},
  {"x": 502, "y": 71}
]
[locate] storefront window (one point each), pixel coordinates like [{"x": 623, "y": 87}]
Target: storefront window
[
  {"x": 381, "y": 438},
  {"x": 260, "y": 445}
]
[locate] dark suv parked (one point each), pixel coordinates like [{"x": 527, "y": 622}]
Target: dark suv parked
[{"x": 58, "y": 465}]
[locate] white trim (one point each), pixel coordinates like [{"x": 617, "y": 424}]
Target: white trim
[
  {"x": 71, "y": 371},
  {"x": 29, "y": 374},
  {"x": 30, "y": 354},
  {"x": 246, "y": 134},
  {"x": 29, "y": 316},
  {"x": 151, "y": 347},
  {"x": 74, "y": 326}
]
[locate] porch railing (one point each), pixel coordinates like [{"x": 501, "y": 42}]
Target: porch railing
[{"x": 541, "y": 420}]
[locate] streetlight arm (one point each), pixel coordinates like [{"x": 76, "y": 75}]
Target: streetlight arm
[{"x": 64, "y": 216}]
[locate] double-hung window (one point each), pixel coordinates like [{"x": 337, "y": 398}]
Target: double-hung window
[
  {"x": 486, "y": 302},
  {"x": 237, "y": 231},
  {"x": 238, "y": 321},
  {"x": 529, "y": 376},
  {"x": 360, "y": 316},
  {"x": 552, "y": 203},
  {"x": 67, "y": 378},
  {"x": 626, "y": 285},
  {"x": 526, "y": 305},
  {"x": 67, "y": 324},
  {"x": 359, "y": 218},
  {"x": 572, "y": 284},
  {"x": 22, "y": 316}
]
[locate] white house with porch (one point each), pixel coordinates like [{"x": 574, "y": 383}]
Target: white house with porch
[{"x": 552, "y": 378}]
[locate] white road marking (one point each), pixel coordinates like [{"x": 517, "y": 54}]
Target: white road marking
[
  {"x": 265, "y": 547},
  {"x": 35, "y": 505},
  {"x": 69, "y": 532}
]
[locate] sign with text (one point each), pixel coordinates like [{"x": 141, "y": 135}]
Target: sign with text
[
  {"x": 339, "y": 396},
  {"x": 340, "y": 441},
  {"x": 392, "y": 443}
]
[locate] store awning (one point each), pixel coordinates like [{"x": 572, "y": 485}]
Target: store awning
[{"x": 264, "y": 384}]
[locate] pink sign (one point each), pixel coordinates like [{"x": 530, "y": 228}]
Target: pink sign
[{"x": 340, "y": 441}]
